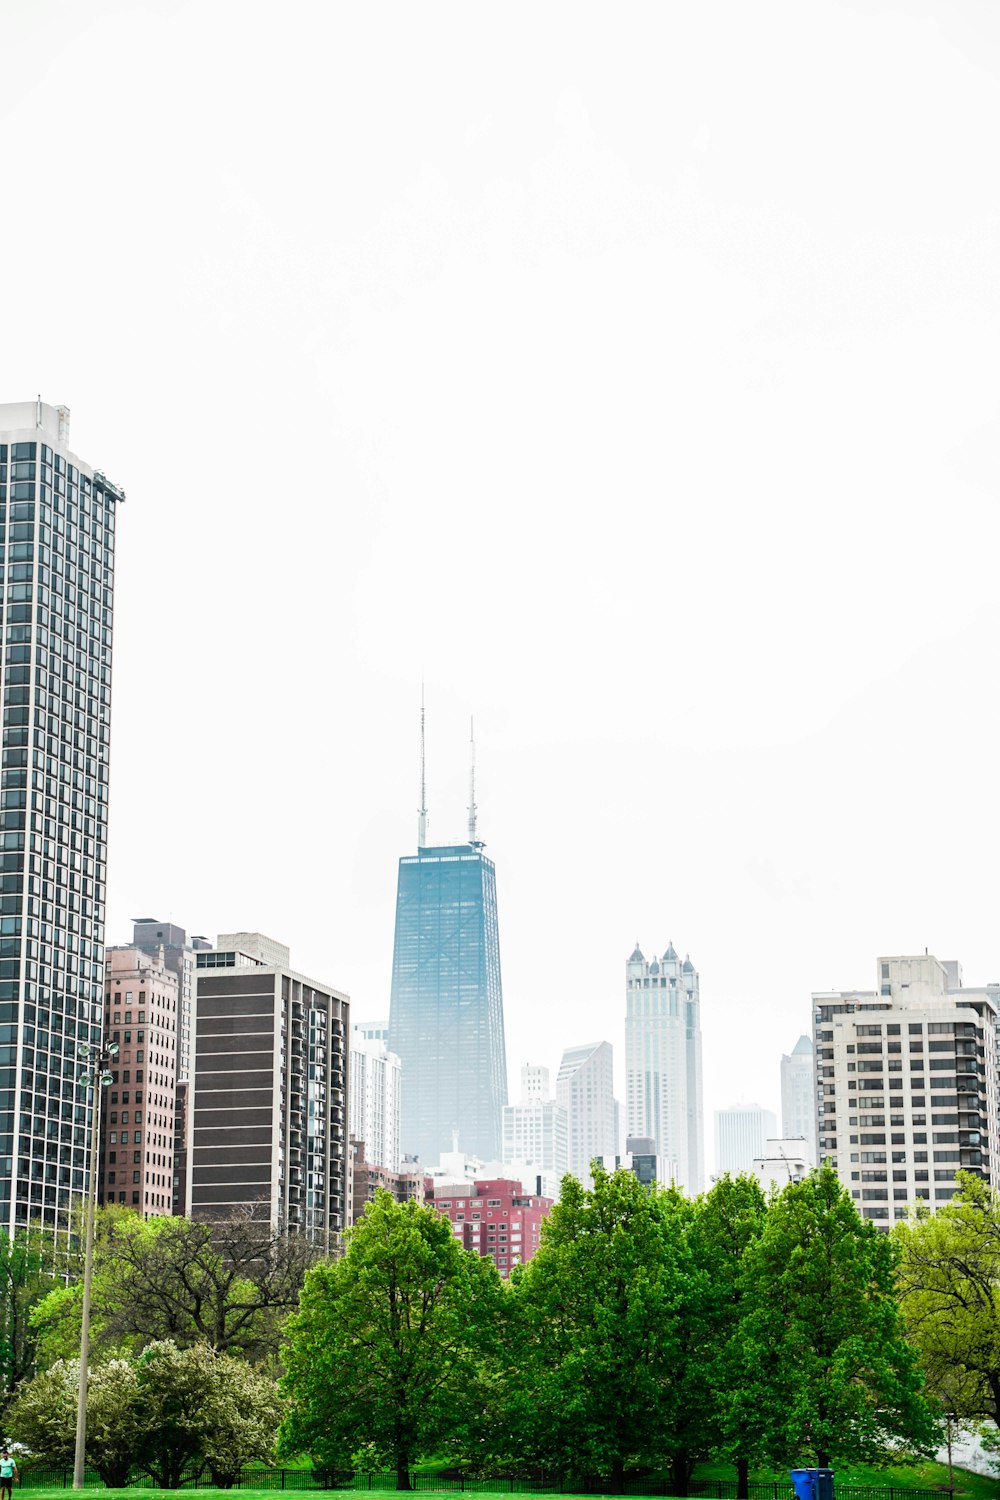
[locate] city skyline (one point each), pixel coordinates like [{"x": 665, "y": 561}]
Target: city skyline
[{"x": 650, "y": 410}]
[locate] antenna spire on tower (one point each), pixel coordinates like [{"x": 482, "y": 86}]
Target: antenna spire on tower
[
  {"x": 472, "y": 782},
  {"x": 422, "y": 810}
]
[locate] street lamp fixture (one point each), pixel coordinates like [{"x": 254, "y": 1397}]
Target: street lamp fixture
[{"x": 94, "y": 1075}]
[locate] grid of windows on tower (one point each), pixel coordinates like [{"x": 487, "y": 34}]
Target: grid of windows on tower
[{"x": 57, "y": 535}]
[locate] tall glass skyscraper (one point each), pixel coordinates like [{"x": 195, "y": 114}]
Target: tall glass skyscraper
[
  {"x": 446, "y": 1013},
  {"x": 57, "y": 583}
]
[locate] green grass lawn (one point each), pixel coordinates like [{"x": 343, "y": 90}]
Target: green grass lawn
[
  {"x": 918, "y": 1476},
  {"x": 922, "y": 1475}
]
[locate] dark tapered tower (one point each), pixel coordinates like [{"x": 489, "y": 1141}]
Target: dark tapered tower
[{"x": 446, "y": 1010}]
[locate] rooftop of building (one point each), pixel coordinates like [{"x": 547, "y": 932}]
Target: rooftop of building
[
  {"x": 432, "y": 853},
  {"x": 37, "y": 421},
  {"x": 254, "y": 950}
]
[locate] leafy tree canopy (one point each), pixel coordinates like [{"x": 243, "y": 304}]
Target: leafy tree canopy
[
  {"x": 387, "y": 1351},
  {"x": 835, "y": 1375},
  {"x": 611, "y": 1321},
  {"x": 949, "y": 1283},
  {"x": 228, "y": 1285}
]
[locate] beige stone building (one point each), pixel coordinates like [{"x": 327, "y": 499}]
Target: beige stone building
[{"x": 906, "y": 1085}]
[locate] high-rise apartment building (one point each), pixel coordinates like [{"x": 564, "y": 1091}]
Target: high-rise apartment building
[
  {"x": 178, "y": 953},
  {"x": 446, "y": 1010},
  {"x": 536, "y": 1131},
  {"x": 585, "y": 1088},
  {"x": 142, "y": 1014},
  {"x": 906, "y": 1082},
  {"x": 663, "y": 1060},
  {"x": 798, "y": 1096},
  {"x": 374, "y": 1105},
  {"x": 740, "y": 1135},
  {"x": 171, "y": 943},
  {"x": 55, "y": 686},
  {"x": 269, "y": 1090}
]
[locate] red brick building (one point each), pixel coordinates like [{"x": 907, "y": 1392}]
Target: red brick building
[
  {"x": 136, "y": 1166},
  {"x": 495, "y": 1217},
  {"x": 366, "y": 1179}
]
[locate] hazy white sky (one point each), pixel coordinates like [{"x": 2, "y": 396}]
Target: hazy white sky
[{"x": 631, "y": 373}]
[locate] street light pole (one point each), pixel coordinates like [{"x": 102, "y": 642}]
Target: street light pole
[{"x": 96, "y": 1079}]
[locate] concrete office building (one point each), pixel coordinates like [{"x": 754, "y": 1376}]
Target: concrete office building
[
  {"x": 783, "y": 1160},
  {"x": 906, "y": 1083},
  {"x": 372, "y": 1031},
  {"x": 374, "y": 1105},
  {"x": 663, "y": 1060},
  {"x": 536, "y": 1131},
  {"x": 585, "y": 1089},
  {"x": 740, "y": 1133},
  {"x": 141, "y": 1013},
  {"x": 57, "y": 585},
  {"x": 269, "y": 1103},
  {"x": 446, "y": 1009},
  {"x": 641, "y": 1159},
  {"x": 798, "y": 1096}
]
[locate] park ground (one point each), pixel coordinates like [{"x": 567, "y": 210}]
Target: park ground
[{"x": 919, "y": 1476}]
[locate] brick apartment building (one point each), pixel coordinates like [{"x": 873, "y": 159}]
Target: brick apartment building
[
  {"x": 367, "y": 1177},
  {"x": 136, "y": 1164},
  {"x": 495, "y": 1217}
]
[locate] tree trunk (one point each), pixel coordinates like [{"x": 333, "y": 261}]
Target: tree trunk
[
  {"x": 742, "y": 1479},
  {"x": 618, "y": 1476},
  {"x": 679, "y": 1472},
  {"x": 822, "y": 1460},
  {"x": 403, "y": 1474}
]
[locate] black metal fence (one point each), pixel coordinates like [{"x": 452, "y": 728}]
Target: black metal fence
[{"x": 43, "y": 1477}]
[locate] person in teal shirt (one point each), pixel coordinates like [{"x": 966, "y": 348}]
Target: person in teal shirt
[{"x": 8, "y": 1473}]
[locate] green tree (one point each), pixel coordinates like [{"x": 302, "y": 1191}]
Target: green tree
[
  {"x": 43, "y": 1417},
  {"x": 386, "y": 1350},
  {"x": 730, "y": 1218},
  {"x": 240, "y": 1420},
  {"x": 55, "y": 1323},
  {"x": 949, "y": 1284},
  {"x": 27, "y": 1273},
  {"x": 835, "y": 1376},
  {"x": 609, "y": 1308},
  {"x": 116, "y": 1418},
  {"x": 228, "y": 1285},
  {"x": 177, "y": 1387}
]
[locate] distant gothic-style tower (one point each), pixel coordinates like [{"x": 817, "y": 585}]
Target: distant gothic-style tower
[{"x": 663, "y": 1061}]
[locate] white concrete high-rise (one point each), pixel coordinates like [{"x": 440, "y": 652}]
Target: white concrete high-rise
[
  {"x": 585, "y": 1089},
  {"x": 536, "y": 1131},
  {"x": 374, "y": 1099},
  {"x": 798, "y": 1097},
  {"x": 663, "y": 1060},
  {"x": 534, "y": 1082},
  {"x": 906, "y": 1080},
  {"x": 740, "y": 1135}
]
